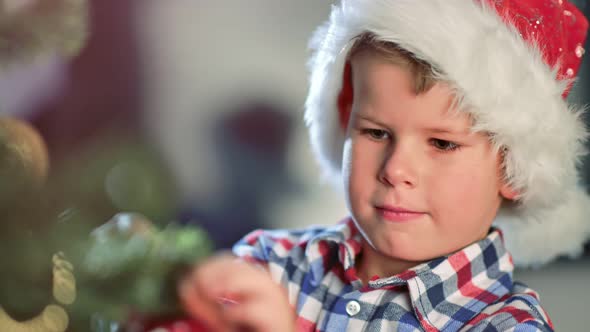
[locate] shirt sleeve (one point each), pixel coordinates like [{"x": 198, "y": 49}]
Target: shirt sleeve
[
  {"x": 266, "y": 246},
  {"x": 253, "y": 248}
]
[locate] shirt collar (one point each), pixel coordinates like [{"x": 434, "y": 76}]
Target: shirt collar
[
  {"x": 457, "y": 286},
  {"x": 338, "y": 244}
]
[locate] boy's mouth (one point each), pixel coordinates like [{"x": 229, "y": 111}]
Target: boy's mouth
[{"x": 398, "y": 214}]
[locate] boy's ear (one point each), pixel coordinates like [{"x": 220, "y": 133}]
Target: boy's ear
[
  {"x": 345, "y": 97},
  {"x": 506, "y": 189},
  {"x": 507, "y": 192}
]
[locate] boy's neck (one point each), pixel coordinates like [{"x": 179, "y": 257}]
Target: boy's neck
[{"x": 371, "y": 263}]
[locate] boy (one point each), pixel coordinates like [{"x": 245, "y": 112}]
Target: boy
[{"x": 441, "y": 117}]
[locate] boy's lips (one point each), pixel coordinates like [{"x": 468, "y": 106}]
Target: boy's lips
[{"x": 398, "y": 214}]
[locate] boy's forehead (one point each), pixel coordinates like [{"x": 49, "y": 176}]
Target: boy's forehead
[{"x": 440, "y": 99}]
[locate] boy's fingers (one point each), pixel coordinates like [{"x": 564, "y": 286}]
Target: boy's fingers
[
  {"x": 208, "y": 277},
  {"x": 226, "y": 275},
  {"x": 199, "y": 306},
  {"x": 251, "y": 285},
  {"x": 225, "y": 283},
  {"x": 201, "y": 289},
  {"x": 261, "y": 306}
]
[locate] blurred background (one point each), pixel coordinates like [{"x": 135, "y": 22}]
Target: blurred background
[{"x": 191, "y": 111}]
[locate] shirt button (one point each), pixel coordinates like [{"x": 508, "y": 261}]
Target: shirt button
[{"x": 353, "y": 308}]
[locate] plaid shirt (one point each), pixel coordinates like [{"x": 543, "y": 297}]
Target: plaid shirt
[{"x": 470, "y": 290}]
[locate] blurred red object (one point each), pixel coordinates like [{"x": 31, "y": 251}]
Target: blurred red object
[
  {"x": 180, "y": 326},
  {"x": 166, "y": 324}
]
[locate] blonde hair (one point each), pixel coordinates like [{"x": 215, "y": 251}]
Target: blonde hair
[{"x": 420, "y": 70}]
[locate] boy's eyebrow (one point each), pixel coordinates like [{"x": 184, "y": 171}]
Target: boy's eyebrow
[
  {"x": 446, "y": 131},
  {"x": 371, "y": 119},
  {"x": 439, "y": 130},
  {"x": 434, "y": 130}
]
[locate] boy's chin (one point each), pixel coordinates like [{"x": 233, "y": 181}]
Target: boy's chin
[{"x": 394, "y": 249}]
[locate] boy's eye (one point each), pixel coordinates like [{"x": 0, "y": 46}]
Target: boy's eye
[
  {"x": 443, "y": 145},
  {"x": 376, "y": 134}
]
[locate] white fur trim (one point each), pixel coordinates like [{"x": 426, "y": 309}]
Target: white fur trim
[
  {"x": 499, "y": 78},
  {"x": 535, "y": 237}
]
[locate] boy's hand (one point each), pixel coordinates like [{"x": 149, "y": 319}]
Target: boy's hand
[{"x": 229, "y": 294}]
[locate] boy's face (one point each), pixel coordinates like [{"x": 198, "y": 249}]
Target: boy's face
[{"x": 419, "y": 184}]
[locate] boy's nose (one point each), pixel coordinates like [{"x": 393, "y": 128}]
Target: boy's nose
[{"x": 399, "y": 167}]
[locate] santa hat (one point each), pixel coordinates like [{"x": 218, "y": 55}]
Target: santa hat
[{"x": 511, "y": 63}]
